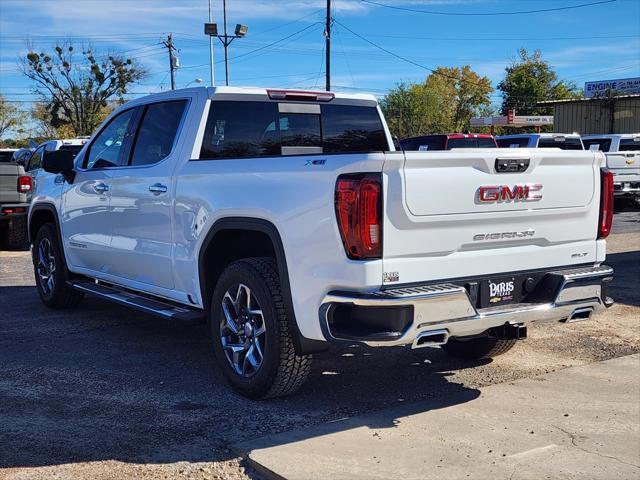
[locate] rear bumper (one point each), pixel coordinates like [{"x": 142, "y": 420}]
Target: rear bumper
[
  {"x": 13, "y": 210},
  {"x": 409, "y": 315},
  {"x": 626, "y": 184}
]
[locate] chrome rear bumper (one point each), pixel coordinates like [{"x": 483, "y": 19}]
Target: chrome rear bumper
[{"x": 446, "y": 311}]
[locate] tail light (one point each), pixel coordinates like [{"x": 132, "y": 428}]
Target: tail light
[
  {"x": 359, "y": 212},
  {"x": 606, "y": 203},
  {"x": 24, "y": 184}
]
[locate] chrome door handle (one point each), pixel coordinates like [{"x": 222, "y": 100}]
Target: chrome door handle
[
  {"x": 157, "y": 188},
  {"x": 101, "y": 187}
]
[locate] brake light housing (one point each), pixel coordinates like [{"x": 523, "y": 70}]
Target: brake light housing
[
  {"x": 300, "y": 95},
  {"x": 606, "y": 203},
  {"x": 358, "y": 203},
  {"x": 25, "y": 184}
]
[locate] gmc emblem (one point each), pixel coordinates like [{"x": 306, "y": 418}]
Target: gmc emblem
[{"x": 504, "y": 193}]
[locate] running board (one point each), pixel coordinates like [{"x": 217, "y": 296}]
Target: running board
[{"x": 160, "y": 307}]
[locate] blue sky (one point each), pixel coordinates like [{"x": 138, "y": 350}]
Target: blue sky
[{"x": 587, "y": 43}]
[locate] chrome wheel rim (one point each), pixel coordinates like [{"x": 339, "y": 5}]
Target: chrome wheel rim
[
  {"x": 242, "y": 330},
  {"x": 46, "y": 266}
]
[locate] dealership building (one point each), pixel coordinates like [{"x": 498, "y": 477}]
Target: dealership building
[{"x": 609, "y": 106}]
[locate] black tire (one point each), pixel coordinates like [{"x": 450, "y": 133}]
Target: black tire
[
  {"x": 281, "y": 371},
  {"x": 56, "y": 294},
  {"x": 17, "y": 236},
  {"x": 478, "y": 348}
]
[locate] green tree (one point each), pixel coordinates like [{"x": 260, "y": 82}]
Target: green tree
[
  {"x": 445, "y": 102},
  {"x": 529, "y": 80},
  {"x": 12, "y": 119},
  {"x": 76, "y": 92}
]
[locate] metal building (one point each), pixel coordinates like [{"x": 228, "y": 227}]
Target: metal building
[{"x": 619, "y": 114}]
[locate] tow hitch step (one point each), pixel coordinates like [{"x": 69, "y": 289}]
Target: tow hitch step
[
  {"x": 509, "y": 331},
  {"x": 160, "y": 307}
]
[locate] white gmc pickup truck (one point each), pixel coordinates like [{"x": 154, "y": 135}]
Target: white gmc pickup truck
[{"x": 289, "y": 221}]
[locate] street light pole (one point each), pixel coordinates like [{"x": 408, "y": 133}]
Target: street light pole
[
  {"x": 211, "y": 49},
  {"x": 327, "y": 35}
]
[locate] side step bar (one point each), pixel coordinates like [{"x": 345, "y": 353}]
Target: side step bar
[{"x": 160, "y": 307}]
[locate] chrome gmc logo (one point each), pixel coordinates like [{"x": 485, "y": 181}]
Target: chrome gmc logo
[{"x": 505, "y": 193}]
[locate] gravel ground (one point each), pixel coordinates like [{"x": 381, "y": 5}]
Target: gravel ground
[{"x": 103, "y": 392}]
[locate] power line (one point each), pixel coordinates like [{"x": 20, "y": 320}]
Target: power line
[
  {"x": 486, "y": 14},
  {"x": 404, "y": 59}
]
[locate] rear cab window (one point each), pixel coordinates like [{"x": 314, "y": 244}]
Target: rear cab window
[
  {"x": 563, "y": 143},
  {"x": 630, "y": 144},
  {"x": 601, "y": 144},
  {"x": 243, "y": 129},
  {"x": 470, "y": 142},
  {"x": 518, "y": 142}
]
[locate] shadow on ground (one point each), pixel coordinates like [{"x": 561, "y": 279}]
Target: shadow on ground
[{"x": 104, "y": 383}]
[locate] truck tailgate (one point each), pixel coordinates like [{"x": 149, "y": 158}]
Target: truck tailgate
[
  {"x": 451, "y": 214},
  {"x": 9, "y": 183}
]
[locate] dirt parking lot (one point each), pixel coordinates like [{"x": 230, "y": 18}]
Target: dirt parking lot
[{"x": 102, "y": 392}]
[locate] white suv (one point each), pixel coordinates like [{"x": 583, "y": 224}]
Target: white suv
[{"x": 288, "y": 221}]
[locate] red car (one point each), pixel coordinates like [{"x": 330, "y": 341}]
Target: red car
[{"x": 449, "y": 141}]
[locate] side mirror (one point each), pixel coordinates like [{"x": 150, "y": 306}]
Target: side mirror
[{"x": 60, "y": 161}]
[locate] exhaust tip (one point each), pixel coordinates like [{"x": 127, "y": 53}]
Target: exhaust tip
[
  {"x": 580, "y": 314},
  {"x": 431, "y": 338}
]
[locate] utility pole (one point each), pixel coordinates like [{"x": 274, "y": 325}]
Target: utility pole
[
  {"x": 327, "y": 36},
  {"x": 211, "y": 49},
  {"x": 172, "y": 59},
  {"x": 226, "y": 45}
]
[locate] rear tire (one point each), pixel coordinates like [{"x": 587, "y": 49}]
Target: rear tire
[
  {"x": 49, "y": 270},
  {"x": 17, "y": 236},
  {"x": 250, "y": 331},
  {"x": 478, "y": 348}
]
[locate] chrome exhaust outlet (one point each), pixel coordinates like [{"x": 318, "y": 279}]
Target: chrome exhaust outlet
[
  {"x": 432, "y": 338},
  {"x": 580, "y": 314}
]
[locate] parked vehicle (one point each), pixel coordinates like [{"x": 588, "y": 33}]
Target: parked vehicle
[
  {"x": 15, "y": 189},
  {"x": 623, "y": 159},
  {"x": 448, "y": 141},
  {"x": 34, "y": 164},
  {"x": 288, "y": 221},
  {"x": 563, "y": 141},
  {"x": 22, "y": 156},
  {"x": 6, "y": 154}
]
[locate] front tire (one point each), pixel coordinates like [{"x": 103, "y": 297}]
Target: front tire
[
  {"x": 478, "y": 348},
  {"x": 49, "y": 270},
  {"x": 250, "y": 331}
]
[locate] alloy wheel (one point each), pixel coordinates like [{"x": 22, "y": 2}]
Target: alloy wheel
[
  {"x": 242, "y": 330},
  {"x": 46, "y": 266}
]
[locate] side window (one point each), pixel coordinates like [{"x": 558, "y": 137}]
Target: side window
[
  {"x": 106, "y": 150},
  {"x": 241, "y": 129},
  {"x": 157, "y": 132},
  {"x": 35, "y": 161}
]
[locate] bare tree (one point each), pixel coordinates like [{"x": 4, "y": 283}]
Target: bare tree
[{"x": 76, "y": 93}]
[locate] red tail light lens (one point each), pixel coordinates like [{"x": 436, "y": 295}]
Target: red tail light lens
[
  {"x": 359, "y": 212},
  {"x": 606, "y": 204},
  {"x": 24, "y": 184}
]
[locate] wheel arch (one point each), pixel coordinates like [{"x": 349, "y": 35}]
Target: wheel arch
[
  {"x": 248, "y": 236},
  {"x": 40, "y": 214}
]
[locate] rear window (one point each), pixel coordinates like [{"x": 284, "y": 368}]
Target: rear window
[
  {"x": 425, "y": 143},
  {"x": 6, "y": 156},
  {"x": 258, "y": 129},
  {"x": 74, "y": 149},
  {"x": 470, "y": 143},
  {"x": 561, "y": 143},
  {"x": 630, "y": 144},
  {"x": 602, "y": 144},
  {"x": 522, "y": 142}
]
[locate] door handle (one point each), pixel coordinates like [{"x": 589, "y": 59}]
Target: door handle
[
  {"x": 101, "y": 188},
  {"x": 157, "y": 188}
]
